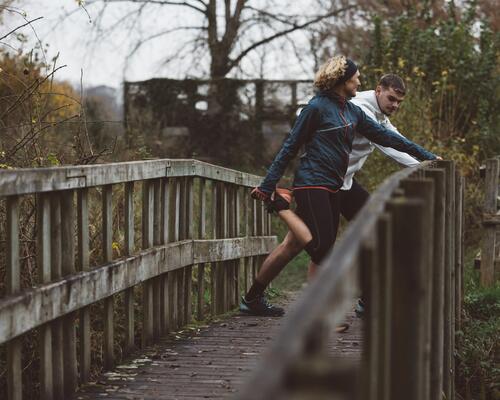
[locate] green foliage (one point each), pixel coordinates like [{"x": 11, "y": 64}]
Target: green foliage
[{"x": 478, "y": 341}]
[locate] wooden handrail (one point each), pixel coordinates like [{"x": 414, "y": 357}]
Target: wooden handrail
[
  {"x": 180, "y": 201},
  {"x": 395, "y": 242},
  {"x": 40, "y": 180}
]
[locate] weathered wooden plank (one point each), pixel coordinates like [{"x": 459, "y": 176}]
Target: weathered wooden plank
[
  {"x": 370, "y": 286},
  {"x": 147, "y": 242},
  {"x": 489, "y": 235},
  {"x": 157, "y": 240},
  {"x": 68, "y": 219},
  {"x": 107, "y": 255},
  {"x": 83, "y": 265},
  {"x": 48, "y": 302},
  {"x": 190, "y": 226},
  {"x": 384, "y": 237},
  {"x": 202, "y": 231},
  {"x": 57, "y": 325},
  {"x": 13, "y": 286},
  {"x": 165, "y": 198},
  {"x": 44, "y": 276},
  {"x": 423, "y": 188},
  {"x": 129, "y": 250},
  {"x": 449, "y": 290},
  {"x": 408, "y": 307},
  {"x": 437, "y": 313},
  {"x": 37, "y": 180}
]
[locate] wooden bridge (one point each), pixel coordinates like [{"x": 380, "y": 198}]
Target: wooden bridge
[{"x": 193, "y": 251}]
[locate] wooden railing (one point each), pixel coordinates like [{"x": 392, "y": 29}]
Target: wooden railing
[
  {"x": 490, "y": 248},
  {"x": 194, "y": 215},
  {"x": 406, "y": 245}
]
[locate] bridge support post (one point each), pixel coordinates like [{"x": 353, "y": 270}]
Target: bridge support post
[
  {"x": 408, "y": 298},
  {"x": 449, "y": 281},
  {"x": 438, "y": 270}
]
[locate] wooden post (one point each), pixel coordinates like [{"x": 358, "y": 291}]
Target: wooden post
[
  {"x": 369, "y": 269},
  {"x": 84, "y": 265},
  {"x": 107, "y": 252},
  {"x": 157, "y": 240},
  {"x": 165, "y": 231},
  {"x": 237, "y": 233},
  {"x": 147, "y": 242},
  {"x": 490, "y": 207},
  {"x": 57, "y": 325},
  {"x": 14, "y": 347},
  {"x": 181, "y": 281},
  {"x": 200, "y": 315},
  {"x": 423, "y": 188},
  {"x": 385, "y": 265},
  {"x": 68, "y": 268},
  {"x": 188, "y": 288},
  {"x": 213, "y": 265},
  {"x": 44, "y": 275},
  {"x": 438, "y": 270},
  {"x": 129, "y": 250},
  {"x": 449, "y": 279},
  {"x": 408, "y": 309}
]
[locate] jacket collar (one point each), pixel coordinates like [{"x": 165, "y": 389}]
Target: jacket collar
[{"x": 341, "y": 100}]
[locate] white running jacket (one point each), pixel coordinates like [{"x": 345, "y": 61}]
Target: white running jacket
[{"x": 362, "y": 147}]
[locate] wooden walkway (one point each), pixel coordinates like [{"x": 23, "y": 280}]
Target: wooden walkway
[{"x": 208, "y": 362}]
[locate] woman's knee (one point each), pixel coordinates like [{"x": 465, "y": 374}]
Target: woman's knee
[{"x": 292, "y": 244}]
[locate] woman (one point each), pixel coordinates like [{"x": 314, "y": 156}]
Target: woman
[{"x": 326, "y": 128}]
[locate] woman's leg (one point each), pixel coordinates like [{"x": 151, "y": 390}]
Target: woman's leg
[{"x": 295, "y": 224}]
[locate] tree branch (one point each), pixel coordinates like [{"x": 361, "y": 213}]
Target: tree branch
[
  {"x": 294, "y": 28},
  {"x": 159, "y": 2},
  {"x": 19, "y": 27}
]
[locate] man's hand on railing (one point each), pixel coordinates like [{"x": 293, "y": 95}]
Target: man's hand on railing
[{"x": 258, "y": 194}]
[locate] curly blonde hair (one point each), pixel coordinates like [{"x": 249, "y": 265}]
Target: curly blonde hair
[{"x": 330, "y": 72}]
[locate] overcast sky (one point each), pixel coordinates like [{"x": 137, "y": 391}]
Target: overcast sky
[{"x": 103, "y": 61}]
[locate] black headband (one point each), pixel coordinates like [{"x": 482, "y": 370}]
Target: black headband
[{"x": 349, "y": 71}]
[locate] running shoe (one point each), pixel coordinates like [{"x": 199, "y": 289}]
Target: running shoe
[
  {"x": 260, "y": 307},
  {"x": 359, "y": 309}
]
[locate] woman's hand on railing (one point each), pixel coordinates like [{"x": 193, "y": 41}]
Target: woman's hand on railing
[{"x": 258, "y": 194}]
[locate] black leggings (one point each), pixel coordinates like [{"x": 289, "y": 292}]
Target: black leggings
[{"x": 320, "y": 210}]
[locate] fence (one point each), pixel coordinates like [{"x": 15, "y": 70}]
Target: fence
[
  {"x": 490, "y": 257},
  {"x": 406, "y": 245},
  {"x": 197, "y": 225}
]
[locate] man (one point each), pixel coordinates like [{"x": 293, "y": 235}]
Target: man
[{"x": 254, "y": 301}]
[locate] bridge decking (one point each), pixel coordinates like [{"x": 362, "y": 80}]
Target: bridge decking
[{"x": 208, "y": 362}]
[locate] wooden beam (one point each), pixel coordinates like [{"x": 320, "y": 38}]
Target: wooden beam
[
  {"x": 38, "y": 180},
  {"x": 47, "y": 302}
]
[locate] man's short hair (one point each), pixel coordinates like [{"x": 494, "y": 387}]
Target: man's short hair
[{"x": 393, "y": 81}]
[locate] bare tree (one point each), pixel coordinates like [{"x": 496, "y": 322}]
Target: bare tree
[{"x": 226, "y": 32}]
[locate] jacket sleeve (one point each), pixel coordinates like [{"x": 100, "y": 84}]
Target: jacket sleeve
[
  {"x": 306, "y": 124},
  {"x": 398, "y": 156},
  {"x": 378, "y": 134}
]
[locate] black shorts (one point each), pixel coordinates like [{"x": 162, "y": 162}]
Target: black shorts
[
  {"x": 352, "y": 200},
  {"x": 320, "y": 211}
]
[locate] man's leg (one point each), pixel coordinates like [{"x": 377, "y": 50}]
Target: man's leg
[{"x": 351, "y": 201}]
